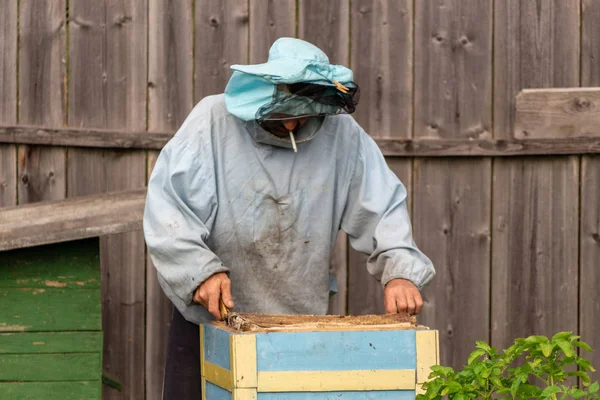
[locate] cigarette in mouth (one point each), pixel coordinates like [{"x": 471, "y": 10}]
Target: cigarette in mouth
[{"x": 293, "y": 141}]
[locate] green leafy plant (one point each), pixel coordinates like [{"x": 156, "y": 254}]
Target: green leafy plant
[{"x": 535, "y": 367}]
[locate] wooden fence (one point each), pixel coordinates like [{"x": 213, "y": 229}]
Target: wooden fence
[{"x": 515, "y": 240}]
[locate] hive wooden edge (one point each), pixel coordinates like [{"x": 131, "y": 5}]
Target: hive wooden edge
[{"x": 88, "y": 216}]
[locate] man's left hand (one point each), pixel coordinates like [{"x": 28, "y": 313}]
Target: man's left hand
[{"x": 402, "y": 296}]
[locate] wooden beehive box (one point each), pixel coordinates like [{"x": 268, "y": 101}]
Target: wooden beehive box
[
  {"x": 305, "y": 357},
  {"x": 50, "y": 322}
]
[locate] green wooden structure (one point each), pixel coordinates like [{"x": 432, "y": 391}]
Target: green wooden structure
[{"x": 51, "y": 340}]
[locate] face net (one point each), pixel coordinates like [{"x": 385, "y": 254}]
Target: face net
[{"x": 302, "y": 100}]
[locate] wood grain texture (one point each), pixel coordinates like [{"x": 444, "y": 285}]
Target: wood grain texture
[
  {"x": 326, "y": 24},
  {"x": 269, "y": 20},
  {"x": 51, "y": 367},
  {"x": 221, "y": 39},
  {"x": 108, "y": 89},
  {"x": 451, "y": 221},
  {"x": 536, "y": 44},
  {"x": 453, "y": 100},
  {"x": 42, "y": 97},
  {"x": 55, "y": 342},
  {"x": 453, "y": 69},
  {"x": 71, "y": 219},
  {"x": 170, "y": 97},
  {"x": 589, "y": 297},
  {"x": 365, "y": 294},
  {"x": 382, "y": 62},
  {"x": 8, "y": 105},
  {"x": 564, "y": 113},
  {"x": 535, "y": 206},
  {"x": 534, "y": 267},
  {"x": 589, "y": 236}
]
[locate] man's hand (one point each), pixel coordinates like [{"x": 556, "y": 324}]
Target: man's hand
[
  {"x": 402, "y": 295},
  {"x": 211, "y": 290}
]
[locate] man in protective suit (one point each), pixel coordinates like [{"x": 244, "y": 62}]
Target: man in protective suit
[{"x": 245, "y": 202}]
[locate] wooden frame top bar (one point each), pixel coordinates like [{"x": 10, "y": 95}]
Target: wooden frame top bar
[{"x": 71, "y": 219}]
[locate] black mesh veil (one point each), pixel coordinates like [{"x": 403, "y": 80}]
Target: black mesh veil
[{"x": 299, "y": 100}]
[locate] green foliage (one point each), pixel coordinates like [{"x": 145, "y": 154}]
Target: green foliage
[{"x": 532, "y": 368}]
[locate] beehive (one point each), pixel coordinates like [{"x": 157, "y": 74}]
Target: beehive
[
  {"x": 304, "y": 357},
  {"x": 50, "y": 322}
]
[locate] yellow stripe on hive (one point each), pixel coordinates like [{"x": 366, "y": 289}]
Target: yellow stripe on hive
[
  {"x": 427, "y": 353},
  {"x": 201, "y": 327},
  {"x": 243, "y": 360},
  {"x": 217, "y": 375},
  {"x": 245, "y": 394},
  {"x": 329, "y": 381}
]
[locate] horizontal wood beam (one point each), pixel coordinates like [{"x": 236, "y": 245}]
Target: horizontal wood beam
[
  {"x": 71, "y": 219},
  {"x": 389, "y": 146}
]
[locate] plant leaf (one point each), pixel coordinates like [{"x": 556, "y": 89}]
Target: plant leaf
[
  {"x": 546, "y": 349},
  {"x": 585, "y": 378},
  {"x": 583, "y": 345},
  {"x": 561, "y": 336},
  {"x": 549, "y": 391},
  {"x": 566, "y": 347},
  {"x": 475, "y": 355},
  {"x": 593, "y": 387}
]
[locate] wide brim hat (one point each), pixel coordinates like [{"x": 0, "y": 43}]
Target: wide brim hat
[{"x": 290, "y": 61}]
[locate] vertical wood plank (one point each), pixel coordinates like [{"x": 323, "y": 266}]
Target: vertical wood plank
[
  {"x": 170, "y": 97},
  {"x": 535, "y": 207},
  {"x": 453, "y": 99},
  {"x": 42, "y": 97},
  {"x": 269, "y": 20},
  {"x": 453, "y": 56},
  {"x": 331, "y": 36},
  {"x": 326, "y": 24},
  {"x": 589, "y": 296},
  {"x": 382, "y": 63},
  {"x": 589, "y": 307},
  {"x": 107, "y": 88},
  {"x": 8, "y": 105},
  {"x": 536, "y": 44},
  {"x": 365, "y": 293},
  {"x": 452, "y": 226},
  {"x": 221, "y": 39}
]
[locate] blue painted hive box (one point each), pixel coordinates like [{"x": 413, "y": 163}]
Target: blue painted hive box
[{"x": 272, "y": 357}]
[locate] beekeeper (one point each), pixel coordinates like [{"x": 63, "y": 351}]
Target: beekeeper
[{"x": 246, "y": 200}]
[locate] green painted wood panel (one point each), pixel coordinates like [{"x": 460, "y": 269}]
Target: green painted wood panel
[
  {"x": 45, "y": 342},
  {"x": 66, "y": 265},
  {"x": 50, "y": 390},
  {"x": 50, "y": 309},
  {"x": 51, "y": 367}
]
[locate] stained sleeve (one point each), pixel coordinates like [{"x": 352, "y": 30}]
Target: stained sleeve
[
  {"x": 377, "y": 221},
  {"x": 180, "y": 209}
]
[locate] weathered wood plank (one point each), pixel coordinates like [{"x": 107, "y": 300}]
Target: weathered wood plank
[
  {"x": 50, "y": 309},
  {"x": 8, "y": 105},
  {"x": 108, "y": 89},
  {"x": 453, "y": 95},
  {"x": 74, "y": 264},
  {"x": 393, "y": 147},
  {"x": 326, "y": 24},
  {"x": 536, "y": 44},
  {"x": 382, "y": 62},
  {"x": 535, "y": 207},
  {"x": 589, "y": 297},
  {"x": 452, "y": 205},
  {"x": 453, "y": 59},
  {"x": 589, "y": 235},
  {"x": 564, "y": 113},
  {"x": 51, "y": 367},
  {"x": 269, "y": 20},
  {"x": 71, "y": 219},
  {"x": 42, "y": 97},
  {"x": 221, "y": 40},
  {"x": 535, "y": 247},
  {"x": 365, "y": 293},
  {"x": 54, "y": 342},
  {"x": 51, "y": 390},
  {"x": 170, "y": 97}
]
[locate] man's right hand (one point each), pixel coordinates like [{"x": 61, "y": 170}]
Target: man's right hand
[{"x": 211, "y": 290}]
